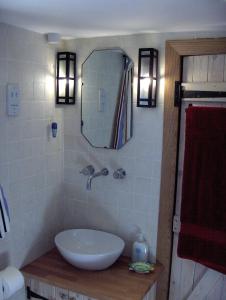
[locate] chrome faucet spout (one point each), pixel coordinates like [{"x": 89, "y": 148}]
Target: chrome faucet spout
[
  {"x": 89, "y": 182},
  {"x": 103, "y": 172}
]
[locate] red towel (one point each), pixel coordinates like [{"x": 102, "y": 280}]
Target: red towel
[{"x": 202, "y": 237}]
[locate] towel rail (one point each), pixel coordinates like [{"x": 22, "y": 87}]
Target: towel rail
[
  {"x": 204, "y": 100},
  {"x": 191, "y": 92}
]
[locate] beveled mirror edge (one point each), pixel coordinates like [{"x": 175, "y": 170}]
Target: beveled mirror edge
[{"x": 132, "y": 97}]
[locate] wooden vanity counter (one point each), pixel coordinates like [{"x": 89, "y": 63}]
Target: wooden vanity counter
[{"x": 115, "y": 283}]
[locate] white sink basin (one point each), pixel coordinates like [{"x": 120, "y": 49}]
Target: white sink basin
[{"x": 89, "y": 249}]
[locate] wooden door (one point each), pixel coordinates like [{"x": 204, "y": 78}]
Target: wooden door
[{"x": 190, "y": 280}]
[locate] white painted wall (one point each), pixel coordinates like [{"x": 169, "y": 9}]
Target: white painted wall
[
  {"x": 90, "y": 19},
  {"x": 30, "y": 162}
]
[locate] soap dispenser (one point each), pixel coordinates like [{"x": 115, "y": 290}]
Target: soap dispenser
[{"x": 140, "y": 250}]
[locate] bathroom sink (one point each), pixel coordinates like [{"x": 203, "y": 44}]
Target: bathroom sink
[{"x": 89, "y": 249}]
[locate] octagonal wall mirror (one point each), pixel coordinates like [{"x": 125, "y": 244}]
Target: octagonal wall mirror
[{"x": 106, "y": 115}]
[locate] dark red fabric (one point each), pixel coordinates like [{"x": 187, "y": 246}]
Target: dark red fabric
[{"x": 202, "y": 236}]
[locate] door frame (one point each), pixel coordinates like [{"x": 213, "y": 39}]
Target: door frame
[{"x": 174, "y": 52}]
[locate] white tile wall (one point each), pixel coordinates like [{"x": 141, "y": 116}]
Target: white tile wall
[
  {"x": 30, "y": 161},
  {"x": 113, "y": 205}
]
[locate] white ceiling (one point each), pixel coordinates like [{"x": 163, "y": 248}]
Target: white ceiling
[{"x": 88, "y": 18}]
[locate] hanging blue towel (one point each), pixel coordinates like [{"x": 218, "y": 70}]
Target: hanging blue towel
[{"x": 4, "y": 214}]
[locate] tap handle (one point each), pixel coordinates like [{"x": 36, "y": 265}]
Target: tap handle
[
  {"x": 119, "y": 173},
  {"x": 88, "y": 170},
  {"x": 104, "y": 172}
]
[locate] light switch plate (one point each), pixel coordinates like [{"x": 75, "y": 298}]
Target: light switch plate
[{"x": 13, "y": 99}]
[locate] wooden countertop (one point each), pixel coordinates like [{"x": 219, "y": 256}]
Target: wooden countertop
[{"x": 115, "y": 283}]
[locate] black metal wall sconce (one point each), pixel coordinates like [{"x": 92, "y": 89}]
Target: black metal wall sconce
[
  {"x": 147, "y": 77},
  {"x": 65, "y": 78}
]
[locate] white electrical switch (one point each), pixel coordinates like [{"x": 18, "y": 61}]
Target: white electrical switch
[{"x": 13, "y": 99}]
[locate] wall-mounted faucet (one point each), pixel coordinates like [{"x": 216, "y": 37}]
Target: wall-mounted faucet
[
  {"x": 103, "y": 172},
  {"x": 90, "y": 171}
]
